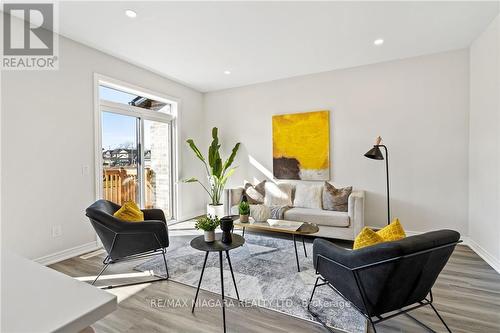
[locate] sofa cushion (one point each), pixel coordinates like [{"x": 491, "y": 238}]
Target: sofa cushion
[
  {"x": 129, "y": 212},
  {"x": 318, "y": 216},
  {"x": 336, "y": 198},
  {"x": 255, "y": 193},
  {"x": 260, "y": 213},
  {"x": 389, "y": 233},
  {"x": 308, "y": 196},
  {"x": 367, "y": 237},
  {"x": 278, "y": 194},
  {"x": 392, "y": 232}
]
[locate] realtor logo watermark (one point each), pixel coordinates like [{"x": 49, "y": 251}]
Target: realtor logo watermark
[{"x": 30, "y": 40}]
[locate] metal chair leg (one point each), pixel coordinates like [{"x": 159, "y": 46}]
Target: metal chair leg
[
  {"x": 102, "y": 271},
  {"x": 304, "y": 245},
  {"x": 315, "y": 316},
  {"x": 440, "y": 318},
  {"x": 165, "y": 262},
  {"x": 107, "y": 261},
  {"x": 419, "y": 322},
  {"x": 312, "y": 294}
]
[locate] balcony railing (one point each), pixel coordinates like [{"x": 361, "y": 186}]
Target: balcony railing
[{"x": 120, "y": 185}]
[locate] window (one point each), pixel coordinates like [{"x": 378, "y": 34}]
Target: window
[
  {"x": 118, "y": 96},
  {"x": 136, "y": 147}
]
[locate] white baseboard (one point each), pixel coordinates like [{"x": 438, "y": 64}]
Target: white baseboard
[
  {"x": 66, "y": 254},
  {"x": 190, "y": 216},
  {"x": 480, "y": 251},
  {"x": 490, "y": 259}
]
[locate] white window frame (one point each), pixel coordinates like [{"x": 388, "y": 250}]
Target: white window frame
[{"x": 172, "y": 118}]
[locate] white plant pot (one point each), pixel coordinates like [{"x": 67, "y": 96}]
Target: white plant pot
[
  {"x": 215, "y": 211},
  {"x": 209, "y": 236}
]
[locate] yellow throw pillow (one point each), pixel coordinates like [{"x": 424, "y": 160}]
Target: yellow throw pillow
[
  {"x": 129, "y": 212},
  {"x": 392, "y": 232},
  {"x": 367, "y": 237}
]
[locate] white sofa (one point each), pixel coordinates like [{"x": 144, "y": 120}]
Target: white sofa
[{"x": 332, "y": 224}]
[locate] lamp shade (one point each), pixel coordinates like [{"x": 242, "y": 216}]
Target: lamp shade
[{"x": 375, "y": 153}]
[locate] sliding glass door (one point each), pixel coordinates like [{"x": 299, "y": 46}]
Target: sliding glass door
[
  {"x": 136, "y": 150},
  {"x": 157, "y": 165},
  {"x": 120, "y": 162}
]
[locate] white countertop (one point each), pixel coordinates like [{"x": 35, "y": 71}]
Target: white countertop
[{"x": 36, "y": 298}]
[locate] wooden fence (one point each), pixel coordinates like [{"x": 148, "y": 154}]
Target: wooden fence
[{"x": 120, "y": 185}]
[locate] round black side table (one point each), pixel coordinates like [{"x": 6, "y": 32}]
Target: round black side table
[{"x": 199, "y": 243}]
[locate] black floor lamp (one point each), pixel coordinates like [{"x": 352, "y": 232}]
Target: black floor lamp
[{"x": 376, "y": 154}]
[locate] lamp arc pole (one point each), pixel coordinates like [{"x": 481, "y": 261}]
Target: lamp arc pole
[
  {"x": 375, "y": 154},
  {"x": 387, "y": 180}
]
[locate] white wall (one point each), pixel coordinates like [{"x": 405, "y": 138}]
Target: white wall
[
  {"x": 48, "y": 135},
  {"x": 484, "y": 144},
  {"x": 418, "y": 105}
]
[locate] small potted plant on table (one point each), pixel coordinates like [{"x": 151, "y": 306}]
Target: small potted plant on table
[
  {"x": 244, "y": 209},
  {"x": 208, "y": 224}
]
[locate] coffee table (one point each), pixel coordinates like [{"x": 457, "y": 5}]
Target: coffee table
[
  {"x": 199, "y": 243},
  {"x": 282, "y": 226}
]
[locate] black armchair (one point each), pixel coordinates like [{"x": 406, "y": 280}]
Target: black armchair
[
  {"x": 394, "y": 277},
  {"x": 128, "y": 240}
]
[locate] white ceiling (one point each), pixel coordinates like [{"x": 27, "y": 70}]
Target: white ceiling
[{"x": 194, "y": 43}]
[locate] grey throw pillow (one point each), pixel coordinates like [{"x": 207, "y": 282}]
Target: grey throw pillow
[
  {"x": 336, "y": 198},
  {"x": 255, "y": 193}
]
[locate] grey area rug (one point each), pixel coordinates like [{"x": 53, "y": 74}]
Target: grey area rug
[{"x": 266, "y": 275}]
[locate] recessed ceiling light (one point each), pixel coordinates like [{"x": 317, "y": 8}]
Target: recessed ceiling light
[
  {"x": 130, "y": 13},
  {"x": 227, "y": 72},
  {"x": 378, "y": 42}
]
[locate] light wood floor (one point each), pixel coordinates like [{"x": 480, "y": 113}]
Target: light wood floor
[{"x": 467, "y": 294}]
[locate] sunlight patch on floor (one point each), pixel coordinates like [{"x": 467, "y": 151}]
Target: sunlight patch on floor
[
  {"x": 121, "y": 293},
  {"x": 115, "y": 276},
  {"x": 125, "y": 292}
]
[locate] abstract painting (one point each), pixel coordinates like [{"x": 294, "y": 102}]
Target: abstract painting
[{"x": 301, "y": 146}]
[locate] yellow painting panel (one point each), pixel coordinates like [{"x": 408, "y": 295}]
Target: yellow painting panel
[{"x": 304, "y": 137}]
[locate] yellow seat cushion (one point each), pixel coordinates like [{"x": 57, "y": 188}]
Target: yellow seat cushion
[
  {"x": 367, "y": 237},
  {"x": 392, "y": 232},
  {"x": 129, "y": 212}
]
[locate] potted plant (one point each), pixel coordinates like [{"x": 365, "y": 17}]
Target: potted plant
[
  {"x": 244, "y": 209},
  {"x": 208, "y": 225},
  {"x": 218, "y": 172}
]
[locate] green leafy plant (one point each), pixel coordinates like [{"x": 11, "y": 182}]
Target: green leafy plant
[
  {"x": 244, "y": 208},
  {"x": 218, "y": 172},
  {"x": 207, "y": 223}
]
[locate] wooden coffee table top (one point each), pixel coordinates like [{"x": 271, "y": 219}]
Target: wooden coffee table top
[{"x": 283, "y": 226}]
